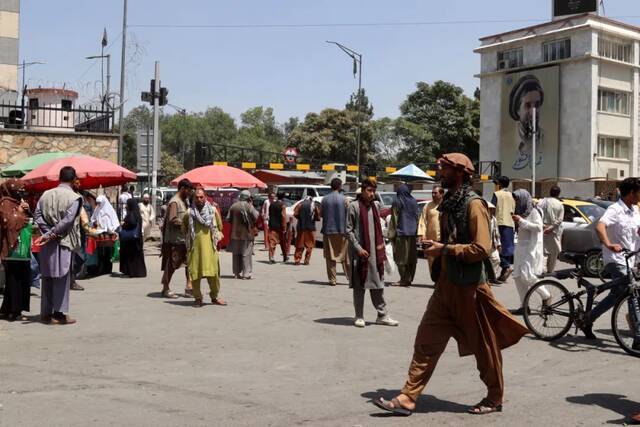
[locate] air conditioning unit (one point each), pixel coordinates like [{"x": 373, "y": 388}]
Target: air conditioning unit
[
  {"x": 612, "y": 173},
  {"x": 502, "y": 65}
]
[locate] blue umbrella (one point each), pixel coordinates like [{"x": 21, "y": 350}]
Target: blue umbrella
[{"x": 411, "y": 172}]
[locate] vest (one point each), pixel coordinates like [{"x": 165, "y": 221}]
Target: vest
[
  {"x": 505, "y": 207},
  {"x": 173, "y": 233},
  {"x": 306, "y": 221},
  {"x": 334, "y": 214},
  {"x": 275, "y": 215},
  {"x": 463, "y": 273},
  {"x": 54, "y": 206}
]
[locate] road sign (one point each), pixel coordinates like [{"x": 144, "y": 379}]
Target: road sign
[{"x": 144, "y": 146}]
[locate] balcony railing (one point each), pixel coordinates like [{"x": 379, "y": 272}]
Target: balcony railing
[{"x": 83, "y": 119}]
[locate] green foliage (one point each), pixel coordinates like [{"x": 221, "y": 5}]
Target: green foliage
[
  {"x": 360, "y": 103},
  {"x": 170, "y": 168},
  {"x": 437, "y": 119},
  {"x": 387, "y": 142},
  {"x": 332, "y": 136},
  {"x": 260, "y": 131}
]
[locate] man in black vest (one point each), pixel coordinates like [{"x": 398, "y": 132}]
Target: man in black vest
[{"x": 277, "y": 228}]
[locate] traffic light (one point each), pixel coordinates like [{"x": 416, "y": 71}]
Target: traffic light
[{"x": 163, "y": 96}]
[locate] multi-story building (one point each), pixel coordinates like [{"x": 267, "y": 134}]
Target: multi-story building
[
  {"x": 9, "y": 31},
  {"x": 579, "y": 77}
]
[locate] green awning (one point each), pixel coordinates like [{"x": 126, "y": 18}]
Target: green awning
[{"x": 24, "y": 166}]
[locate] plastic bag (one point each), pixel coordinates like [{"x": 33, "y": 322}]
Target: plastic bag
[
  {"x": 390, "y": 266},
  {"x": 22, "y": 250},
  {"x": 115, "y": 257}
]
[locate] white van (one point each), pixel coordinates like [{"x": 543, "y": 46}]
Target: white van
[{"x": 295, "y": 192}]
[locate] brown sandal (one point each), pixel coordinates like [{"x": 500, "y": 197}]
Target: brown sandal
[
  {"x": 392, "y": 406},
  {"x": 485, "y": 406},
  {"x": 198, "y": 303},
  {"x": 218, "y": 301}
]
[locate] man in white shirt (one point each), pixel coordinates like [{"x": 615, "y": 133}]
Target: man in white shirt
[
  {"x": 552, "y": 217},
  {"x": 618, "y": 229},
  {"x": 122, "y": 200}
]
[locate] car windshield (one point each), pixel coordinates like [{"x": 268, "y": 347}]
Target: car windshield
[
  {"x": 388, "y": 199},
  {"x": 592, "y": 212},
  {"x": 323, "y": 191},
  {"x": 288, "y": 202}
]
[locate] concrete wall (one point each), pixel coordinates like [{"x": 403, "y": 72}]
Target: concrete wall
[{"x": 16, "y": 145}]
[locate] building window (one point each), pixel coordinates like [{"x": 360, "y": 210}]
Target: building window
[
  {"x": 620, "y": 50},
  {"x": 66, "y": 104},
  {"x": 510, "y": 59},
  {"x": 613, "y": 148},
  {"x": 555, "y": 50},
  {"x": 33, "y": 103},
  {"x": 610, "y": 101}
]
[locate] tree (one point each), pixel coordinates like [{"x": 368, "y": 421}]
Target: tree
[
  {"x": 386, "y": 141},
  {"x": 360, "y": 103},
  {"x": 290, "y": 125},
  {"x": 436, "y": 119},
  {"x": 331, "y": 136},
  {"x": 260, "y": 131},
  {"x": 170, "y": 168},
  {"x": 139, "y": 117}
]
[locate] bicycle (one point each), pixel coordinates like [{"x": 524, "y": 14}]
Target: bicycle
[{"x": 550, "y": 318}]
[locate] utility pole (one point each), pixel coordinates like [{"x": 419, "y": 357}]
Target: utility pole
[
  {"x": 122, "y": 61},
  {"x": 156, "y": 137},
  {"x": 534, "y": 157},
  {"x": 357, "y": 66}
]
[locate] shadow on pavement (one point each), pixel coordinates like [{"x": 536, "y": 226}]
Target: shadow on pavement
[
  {"x": 424, "y": 404},
  {"x": 577, "y": 344},
  {"x": 613, "y": 402},
  {"x": 319, "y": 282},
  {"x": 154, "y": 295},
  {"x": 338, "y": 321},
  {"x": 188, "y": 303}
]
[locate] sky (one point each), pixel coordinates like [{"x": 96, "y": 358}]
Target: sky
[{"x": 290, "y": 69}]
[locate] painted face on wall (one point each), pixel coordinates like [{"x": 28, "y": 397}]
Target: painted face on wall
[{"x": 529, "y": 101}]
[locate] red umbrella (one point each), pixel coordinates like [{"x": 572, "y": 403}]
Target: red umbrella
[
  {"x": 93, "y": 173},
  {"x": 221, "y": 176}
]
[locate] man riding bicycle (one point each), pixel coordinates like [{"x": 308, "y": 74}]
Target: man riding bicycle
[{"x": 617, "y": 229}]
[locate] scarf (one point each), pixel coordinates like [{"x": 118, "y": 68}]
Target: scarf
[
  {"x": 12, "y": 220},
  {"x": 105, "y": 217},
  {"x": 381, "y": 255},
  {"x": 453, "y": 211},
  {"x": 407, "y": 210},
  {"x": 524, "y": 203},
  {"x": 204, "y": 216}
]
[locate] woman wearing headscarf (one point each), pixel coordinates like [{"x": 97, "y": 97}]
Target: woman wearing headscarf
[
  {"x": 105, "y": 220},
  {"x": 132, "y": 242},
  {"x": 528, "y": 256},
  {"x": 13, "y": 219},
  {"x": 243, "y": 217},
  {"x": 403, "y": 232}
]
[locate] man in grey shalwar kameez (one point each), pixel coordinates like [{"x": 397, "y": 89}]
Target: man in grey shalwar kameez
[
  {"x": 57, "y": 216},
  {"x": 367, "y": 255}
]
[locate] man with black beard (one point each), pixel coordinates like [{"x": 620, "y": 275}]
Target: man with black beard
[{"x": 526, "y": 96}]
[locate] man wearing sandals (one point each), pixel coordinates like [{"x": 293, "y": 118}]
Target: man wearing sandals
[
  {"x": 203, "y": 224},
  {"x": 462, "y": 305},
  {"x": 174, "y": 249}
]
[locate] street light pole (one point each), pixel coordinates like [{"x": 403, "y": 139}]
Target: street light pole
[
  {"x": 357, "y": 61},
  {"x": 122, "y": 60}
]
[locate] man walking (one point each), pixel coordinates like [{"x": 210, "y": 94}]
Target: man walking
[
  {"x": 552, "y": 217},
  {"x": 174, "y": 249},
  {"x": 333, "y": 211},
  {"x": 264, "y": 214},
  {"x": 462, "y": 305},
  {"x": 367, "y": 255},
  {"x": 277, "y": 226},
  {"x": 429, "y": 225},
  {"x": 402, "y": 233},
  {"x": 243, "y": 217},
  {"x": 57, "y": 216},
  {"x": 148, "y": 214},
  {"x": 203, "y": 227},
  {"x": 505, "y": 208},
  {"x": 307, "y": 213},
  {"x": 618, "y": 230}
]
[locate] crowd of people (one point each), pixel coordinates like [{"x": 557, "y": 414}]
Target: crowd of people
[{"x": 469, "y": 244}]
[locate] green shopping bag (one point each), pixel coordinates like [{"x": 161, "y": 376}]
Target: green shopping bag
[
  {"x": 22, "y": 249},
  {"x": 115, "y": 257}
]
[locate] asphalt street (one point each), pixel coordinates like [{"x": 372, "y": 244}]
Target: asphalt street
[{"x": 284, "y": 352}]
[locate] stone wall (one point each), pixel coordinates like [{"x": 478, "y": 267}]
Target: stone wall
[{"x": 16, "y": 145}]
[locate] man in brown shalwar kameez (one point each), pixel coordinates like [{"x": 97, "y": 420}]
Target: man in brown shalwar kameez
[{"x": 462, "y": 305}]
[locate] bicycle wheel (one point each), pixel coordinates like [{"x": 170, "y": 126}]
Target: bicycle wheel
[
  {"x": 623, "y": 328},
  {"x": 548, "y": 319}
]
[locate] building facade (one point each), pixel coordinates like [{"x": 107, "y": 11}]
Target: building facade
[
  {"x": 571, "y": 86},
  {"x": 9, "y": 36}
]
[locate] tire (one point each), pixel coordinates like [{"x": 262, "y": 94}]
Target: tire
[
  {"x": 593, "y": 265},
  {"x": 622, "y": 330},
  {"x": 548, "y": 322}
]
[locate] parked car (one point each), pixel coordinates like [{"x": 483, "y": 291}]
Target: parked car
[
  {"x": 580, "y": 213},
  {"x": 297, "y": 192},
  {"x": 581, "y": 247}
]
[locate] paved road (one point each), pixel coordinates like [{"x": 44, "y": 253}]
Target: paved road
[{"x": 282, "y": 353}]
